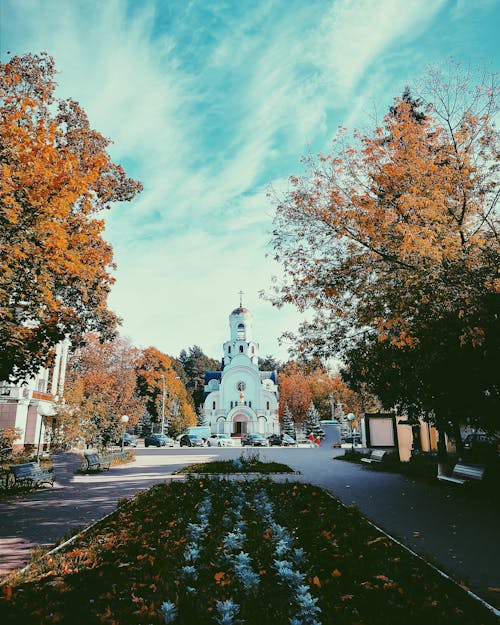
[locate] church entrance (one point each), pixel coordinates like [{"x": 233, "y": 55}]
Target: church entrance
[{"x": 240, "y": 424}]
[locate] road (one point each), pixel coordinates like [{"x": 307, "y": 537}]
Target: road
[{"x": 442, "y": 522}]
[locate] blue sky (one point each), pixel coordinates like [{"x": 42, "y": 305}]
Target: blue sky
[{"x": 209, "y": 103}]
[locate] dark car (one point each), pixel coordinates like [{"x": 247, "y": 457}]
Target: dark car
[
  {"x": 129, "y": 440},
  {"x": 158, "y": 440},
  {"x": 274, "y": 439},
  {"x": 355, "y": 439},
  {"x": 282, "y": 440},
  {"x": 191, "y": 440},
  {"x": 480, "y": 446},
  {"x": 254, "y": 440}
]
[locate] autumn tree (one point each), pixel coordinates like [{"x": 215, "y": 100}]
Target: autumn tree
[
  {"x": 100, "y": 388},
  {"x": 294, "y": 391},
  {"x": 56, "y": 177},
  {"x": 163, "y": 391},
  {"x": 392, "y": 239}
]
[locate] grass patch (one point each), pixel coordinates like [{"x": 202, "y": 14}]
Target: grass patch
[
  {"x": 259, "y": 552},
  {"x": 248, "y": 462}
]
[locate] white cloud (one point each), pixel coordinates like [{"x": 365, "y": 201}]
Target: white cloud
[{"x": 206, "y": 113}]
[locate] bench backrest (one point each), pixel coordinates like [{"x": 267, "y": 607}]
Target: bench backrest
[
  {"x": 377, "y": 454},
  {"x": 26, "y": 469},
  {"x": 92, "y": 458},
  {"x": 471, "y": 473}
]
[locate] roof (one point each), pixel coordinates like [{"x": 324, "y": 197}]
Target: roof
[
  {"x": 240, "y": 311},
  {"x": 212, "y": 375},
  {"x": 269, "y": 375}
]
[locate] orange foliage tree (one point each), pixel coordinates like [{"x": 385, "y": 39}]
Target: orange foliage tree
[
  {"x": 393, "y": 240},
  {"x": 163, "y": 391},
  {"x": 294, "y": 392},
  {"x": 56, "y": 176},
  {"x": 100, "y": 388}
]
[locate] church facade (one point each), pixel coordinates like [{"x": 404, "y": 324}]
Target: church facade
[{"x": 241, "y": 399}]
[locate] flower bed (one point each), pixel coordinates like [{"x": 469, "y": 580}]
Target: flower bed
[
  {"x": 246, "y": 463},
  {"x": 224, "y": 552}
]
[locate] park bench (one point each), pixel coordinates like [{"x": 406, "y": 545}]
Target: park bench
[
  {"x": 463, "y": 473},
  {"x": 96, "y": 462},
  {"x": 376, "y": 456},
  {"x": 30, "y": 474}
]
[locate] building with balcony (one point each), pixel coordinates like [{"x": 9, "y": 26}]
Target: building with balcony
[
  {"x": 240, "y": 398},
  {"x": 29, "y": 405}
]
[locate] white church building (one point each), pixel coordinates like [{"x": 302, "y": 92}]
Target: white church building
[{"x": 241, "y": 399}]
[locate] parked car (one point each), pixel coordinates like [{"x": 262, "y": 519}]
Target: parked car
[
  {"x": 158, "y": 440},
  {"x": 254, "y": 440},
  {"x": 480, "y": 446},
  {"x": 129, "y": 440},
  {"x": 219, "y": 440},
  {"x": 288, "y": 441},
  {"x": 281, "y": 440},
  {"x": 190, "y": 440},
  {"x": 354, "y": 439},
  {"x": 274, "y": 440}
]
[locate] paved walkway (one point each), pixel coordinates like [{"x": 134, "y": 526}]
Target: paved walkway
[{"x": 450, "y": 526}]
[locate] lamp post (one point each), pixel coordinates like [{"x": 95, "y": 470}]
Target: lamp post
[
  {"x": 162, "y": 404},
  {"x": 351, "y": 418},
  {"x": 124, "y": 420}
]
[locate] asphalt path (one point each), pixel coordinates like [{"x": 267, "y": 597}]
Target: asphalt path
[{"x": 453, "y": 527}]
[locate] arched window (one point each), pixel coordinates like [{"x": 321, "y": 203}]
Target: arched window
[
  {"x": 241, "y": 331},
  {"x": 241, "y": 349},
  {"x": 229, "y": 349},
  {"x": 232, "y": 404},
  {"x": 250, "y": 404},
  {"x": 213, "y": 405},
  {"x": 267, "y": 405}
]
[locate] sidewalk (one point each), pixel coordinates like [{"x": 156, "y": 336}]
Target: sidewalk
[{"x": 42, "y": 517}]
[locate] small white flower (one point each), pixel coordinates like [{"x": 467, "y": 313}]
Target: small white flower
[
  {"x": 169, "y": 611},
  {"x": 227, "y": 610}
]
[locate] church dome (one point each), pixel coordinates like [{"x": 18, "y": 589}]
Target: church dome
[{"x": 240, "y": 311}]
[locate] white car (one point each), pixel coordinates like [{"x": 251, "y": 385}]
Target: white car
[{"x": 219, "y": 440}]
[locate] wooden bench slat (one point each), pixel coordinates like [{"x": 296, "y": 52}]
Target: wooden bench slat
[
  {"x": 97, "y": 461},
  {"x": 31, "y": 473},
  {"x": 463, "y": 473},
  {"x": 377, "y": 455}
]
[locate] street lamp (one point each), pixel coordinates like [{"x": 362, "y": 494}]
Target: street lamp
[
  {"x": 162, "y": 403},
  {"x": 124, "y": 420},
  {"x": 351, "y": 418}
]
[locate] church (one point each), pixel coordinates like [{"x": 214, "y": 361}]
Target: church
[{"x": 241, "y": 399}]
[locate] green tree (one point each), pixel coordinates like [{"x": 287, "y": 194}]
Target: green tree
[
  {"x": 194, "y": 364},
  {"x": 312, "y": 424},
  {"x": 287, "y": 422}
]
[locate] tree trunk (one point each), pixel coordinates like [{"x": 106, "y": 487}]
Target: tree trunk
[
  {"x": 458, "y": 439},
  {"x": 442, "y": 454}
]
